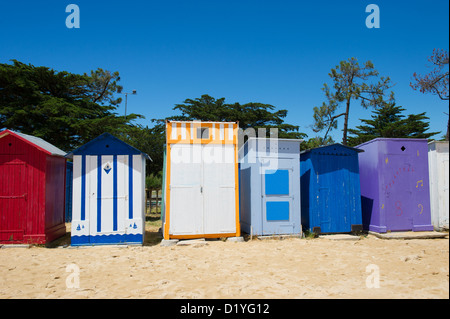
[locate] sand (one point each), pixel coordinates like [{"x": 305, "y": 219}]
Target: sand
[{"x": 273, "y": 269}]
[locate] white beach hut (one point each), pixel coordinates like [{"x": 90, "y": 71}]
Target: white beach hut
[
  {"x": 108, "y": 205},
  {"x": 438, "y": 159}
]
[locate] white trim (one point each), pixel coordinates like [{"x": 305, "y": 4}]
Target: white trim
[{"x": 174, "y": 132}]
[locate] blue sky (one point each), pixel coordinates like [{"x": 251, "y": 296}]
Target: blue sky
[{"x": 275, "y": 52}]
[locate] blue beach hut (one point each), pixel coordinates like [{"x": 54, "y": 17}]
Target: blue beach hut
[
  {"x": 270, "y": 186},
  {"x": 108, "y": 204},
  {"x": 330, "y": 189}
]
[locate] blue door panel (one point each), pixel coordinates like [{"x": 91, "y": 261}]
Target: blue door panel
[
  {"x": 277, "y": 182},
  {"x": 277, "y": 211}
]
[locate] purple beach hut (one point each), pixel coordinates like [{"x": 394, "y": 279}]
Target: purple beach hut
[{"x": 394, "y": 179}]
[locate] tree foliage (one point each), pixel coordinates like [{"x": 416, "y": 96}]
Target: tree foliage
[
  {"x": 389, "y": 122},
  {"x": 63, "y": 108},
  {"x": 102, "y": 86},
  {"x": 316, "y": 142},
  {"x": 249, "y": 115},
  {"x": 150, "y": 140},
  {"x": 437, "y": 81},
  {"x": 153, "y": 181},
  {"x": 68, "y": 109},
  {"x": 350, "y": 82}
]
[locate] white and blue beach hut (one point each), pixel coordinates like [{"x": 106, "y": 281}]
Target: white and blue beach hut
[
  {"x": 270, "y": 186},
  {"x": 108, "y": 204}
]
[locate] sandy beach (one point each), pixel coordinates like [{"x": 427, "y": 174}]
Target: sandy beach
[{"x": 273, "y": 269}]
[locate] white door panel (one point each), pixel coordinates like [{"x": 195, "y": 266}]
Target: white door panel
[
  {"x": 185, "y": 192},
  {"x": 219, "y": 190}
]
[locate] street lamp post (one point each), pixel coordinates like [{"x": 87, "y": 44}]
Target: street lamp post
[{"x": 134, "y": 92}]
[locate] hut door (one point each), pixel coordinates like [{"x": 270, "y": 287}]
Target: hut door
[
  {"x": 277, "y": 197},
  {"x": 333, "y": 201},
  {"x": 399, "y": 184},
  {"x": 202, "y": 189},
  {"x": 13, "y": 198},
  {"x": 109, "y": 194}
]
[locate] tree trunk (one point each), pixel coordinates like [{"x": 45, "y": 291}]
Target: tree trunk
[
  {"x": 150, "y": 198},
  {"x": 157, "y": 197},
  {"x": 347, "y": 110}
]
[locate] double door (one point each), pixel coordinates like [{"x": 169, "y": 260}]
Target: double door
[
  {"x": 107, "y": 183},
  {"x": 202, "y": 189}
]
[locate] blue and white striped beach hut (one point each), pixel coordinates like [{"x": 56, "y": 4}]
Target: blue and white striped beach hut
[{"x": 108, "y": 204}]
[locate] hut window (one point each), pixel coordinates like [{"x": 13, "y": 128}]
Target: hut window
[
  {"x": 403, "y": 148},
  {"x": 203, "y": 133},
  {"x": 277, "y": 182},
  {"x": 107, "y": 146},
  {"x": 10, "y": 144},
  {"x": 277, "y": 211}
]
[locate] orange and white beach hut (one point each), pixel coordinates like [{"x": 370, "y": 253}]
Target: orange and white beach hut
[{"x": 201, "y": 182}]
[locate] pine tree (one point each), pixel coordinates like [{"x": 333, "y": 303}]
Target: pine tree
[
  {"x": 437, "y": 81},
  {"x": 249, "y": 115},
  {"x": 351, "y": 81},
  {"x": 65, "y": 109},
  {"x": 389, "y": 122}
]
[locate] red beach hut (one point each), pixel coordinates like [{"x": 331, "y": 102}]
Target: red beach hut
[{"x": 32, "y": 189}]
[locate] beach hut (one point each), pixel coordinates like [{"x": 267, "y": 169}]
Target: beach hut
[
  {"x": 270, "y": 186},
  {"x": 395, "y": 193},
  {"x": 108, "y": 205},
  {"x": 438, "y": 165},
  {"x": 201, "y": 196},
  {"x": 330, "y": 188},
  {"x": 32, "y": 180}
]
